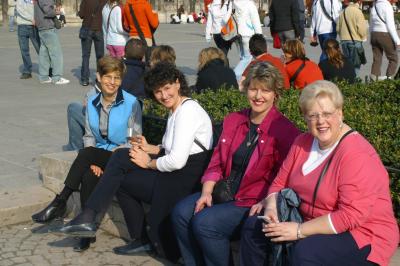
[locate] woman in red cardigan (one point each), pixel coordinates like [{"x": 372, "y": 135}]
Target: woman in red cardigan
[
  {"x": 300, "y": 69},
  {"x": 351, "y": 221},
  {"x": 252, "y": 146}
]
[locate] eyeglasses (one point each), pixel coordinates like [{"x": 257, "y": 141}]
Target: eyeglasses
[
  {"x": 110, "y": 78},
  {"x": 317, "y": 116}
]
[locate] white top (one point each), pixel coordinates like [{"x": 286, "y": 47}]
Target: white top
[
  {"x": 316, "y": 157},
  {"x": 116, "y": 34},
  {"x": 320, "y": 23},
  {"x": 247, "y": 17},
  {"x": 217, "y": 17},
  {"x": 386, "y": 12},
  {"x": 189, "y": 121},
  {"x": 24, "y": 12}
]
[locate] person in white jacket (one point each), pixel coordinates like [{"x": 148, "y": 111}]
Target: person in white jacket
[
  {"x": 248, "y": 24},
  {"x": 325, "y": 14},
  {"x": 114, "y": 34},
  {"x": 384, "y": 38},
  {"x": 218, "y": 15}
]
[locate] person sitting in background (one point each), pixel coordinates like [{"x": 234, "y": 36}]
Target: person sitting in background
[
  {"x": 159, "y": 175},
  {"x": 258, "y": 49},
  {"x": 348, "y": 218},
  {"x": 301, "y": 70},
  {"x": 213, "y": 71},
  {"x": 133, "y": 82},
  {"x": 109, "y": 115},
  {"x": 336, "y": 66},
  {"x": 253, "y": 144},
  {"x": 162, "y": 53}
]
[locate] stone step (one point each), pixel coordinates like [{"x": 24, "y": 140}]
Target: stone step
[{"x": 17, "y": 205}]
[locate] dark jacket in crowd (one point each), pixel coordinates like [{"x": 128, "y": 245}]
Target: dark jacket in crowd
[
  {"x": 44, "y": 12},
  {"x": 90, "y": 12},
  {"x": 214, "y": 75},
  {"x": 331, "y": 72},
  {"x": 284, "y": 16},
  {"x": 133, "y": 79}
]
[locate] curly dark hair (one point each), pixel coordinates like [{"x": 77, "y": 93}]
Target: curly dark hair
[{"x": 161, "y": 74}]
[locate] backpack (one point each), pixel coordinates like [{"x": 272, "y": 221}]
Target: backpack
[{"x": 229, "y": 32}]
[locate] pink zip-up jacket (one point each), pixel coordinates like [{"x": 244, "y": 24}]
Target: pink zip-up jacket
[{"x": 276, "y": 135}]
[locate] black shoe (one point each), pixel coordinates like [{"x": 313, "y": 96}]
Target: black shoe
[
  {"x": 84, "y": 82},
  {"x": 25, "y": 76},
  {"x": 55, "y": 209},
  {"x": 132, "y": 248},
  {"x": 79, "y": 230},
  {"x": 84, "y": 244}
]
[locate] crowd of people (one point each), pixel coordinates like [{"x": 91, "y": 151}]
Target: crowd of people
[{"x": 204, "y": 193}]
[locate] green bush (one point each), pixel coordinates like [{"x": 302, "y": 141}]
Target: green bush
[{"x": 372, "y": 109}]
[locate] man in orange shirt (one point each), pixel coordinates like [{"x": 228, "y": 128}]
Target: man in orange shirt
[
  {"x": 258, "y": 49},
  {"x": 147, "y": 19}
]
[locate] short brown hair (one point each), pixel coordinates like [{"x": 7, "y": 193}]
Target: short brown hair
[
  {"x": 295, "y": 48},
  {"x": 210, "y": 53},
  {"x": 164, "y": 53},
  {"x": 108, "y": 64},
  {"x": 135, "y": 49}
]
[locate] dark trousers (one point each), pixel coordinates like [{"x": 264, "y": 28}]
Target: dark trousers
[
  {"x": 88, "y": 37},
  {"x": 26, "y": 32},
  {"x": 80, "y": 176},
  {"x": 225, "y": 46},
  {"x": 205, "y": 237},
  {"x": 382, "y": 42},
  {"x": 328, "y": 250}
]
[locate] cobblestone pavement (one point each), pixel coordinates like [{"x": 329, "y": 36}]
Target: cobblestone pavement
[{"x": 29, "y": 244}]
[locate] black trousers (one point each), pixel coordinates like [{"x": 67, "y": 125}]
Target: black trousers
[
  {"x": 80, "y": 176},
  {"x": 225, "y": 46}
]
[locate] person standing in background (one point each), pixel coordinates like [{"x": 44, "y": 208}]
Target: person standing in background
[
  {"x": 355, "y": 29},
  {"x": 90, "y": 32},
  {"x": 384, "y": 38},
  {"x": 284, "y": 19},
  {"x": 25, "y": 31},
  {"x": 11, "y": 14}
]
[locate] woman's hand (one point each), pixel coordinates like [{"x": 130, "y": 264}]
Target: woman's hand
[
  {"x": 140, "y": 141},
  {"x": 257, "y": 208},
  {"x": 204, "y": 200},
  {"x": 139, "y": 157},
  {"x": 278, "y": 232},
  {"x": 271, "y": 214},
  {"x": 96, "y": 170}
]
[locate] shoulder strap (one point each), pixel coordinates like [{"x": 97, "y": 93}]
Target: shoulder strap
[
  {"x": 326, "y": 168},
  {"x": 347, "y": 25},
  {"x": 139, "y": 30},
  {"x": 108, "y": 20},
  {"x": 376, "y": 10},
  {"x": 294, "y": 77},
  {"x": 324, "y": 10}
]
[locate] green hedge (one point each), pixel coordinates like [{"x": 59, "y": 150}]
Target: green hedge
[{"x": 372, "y": 109}]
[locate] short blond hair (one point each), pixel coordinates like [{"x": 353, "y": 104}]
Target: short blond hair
[
  {"x": 210, "y": 53},
  {"x": 317, "y": 89}
]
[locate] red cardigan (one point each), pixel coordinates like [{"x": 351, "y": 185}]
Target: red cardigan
[
  {"x": 354, "y": 192},
  {"x": 310, "y": 73},
  {"x": 276, "y": 134}
]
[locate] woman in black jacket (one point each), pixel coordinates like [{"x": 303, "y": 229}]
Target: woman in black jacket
[{"x": 214, "y": 71}]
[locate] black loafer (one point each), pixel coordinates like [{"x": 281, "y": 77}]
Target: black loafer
[
  {"x": 55, "y": 209},
  {"x": 84, "y": 82},
  {"x": 25, "y": 76},
  {"x": 84, "y": 244},
  {"x": 132, "y": 248},
  {"x": 79, "y": 230}
]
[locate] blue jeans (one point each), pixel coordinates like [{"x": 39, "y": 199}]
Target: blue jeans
[
  {"x": 88, "y": 36},
  {"x": 11, "y": 22},
  {"x": 322, "y": 38},
  {"x": 348, "y": 52},
  {"x": 76, "y": 126},
  {"x": 26, "y": 32},
  {"x": 205, "y": 236},
  {"x": 245, "y": 57},
  {"x": 50, "y": 55}
]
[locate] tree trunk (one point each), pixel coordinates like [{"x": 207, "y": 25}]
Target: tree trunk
[
  {"x": 4, "y": 8},
  {"x": 192, "y": 6}
]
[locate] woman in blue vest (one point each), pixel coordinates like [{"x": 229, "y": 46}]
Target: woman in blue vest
[{"x": 109, "y": 114}]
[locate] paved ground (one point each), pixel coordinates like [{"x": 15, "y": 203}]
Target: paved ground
[{"x": 33, "y": 122}]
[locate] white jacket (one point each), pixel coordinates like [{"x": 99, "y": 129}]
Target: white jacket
[
  {"x": 386, "y": 12},
  {"x": 116, "y": 34},
  {"x": 217, "y": 17},
  {"x": 320, "y": 24},
  {"x": 247, "y": 17}
]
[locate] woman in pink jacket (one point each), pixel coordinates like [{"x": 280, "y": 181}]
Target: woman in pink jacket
[
  {"x": 350, "y": 220},
  {"x": 250, "y": 150}
]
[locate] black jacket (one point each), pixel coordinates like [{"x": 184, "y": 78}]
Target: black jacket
[
  {"x": 284, "y": 16},
  {"x": 330, "y": 72},
  {"x": 214, "y": 75},
  {"x": 133, "y": 79}
]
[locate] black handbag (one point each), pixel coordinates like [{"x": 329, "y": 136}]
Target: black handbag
[{"x": 57, "y": 23}]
